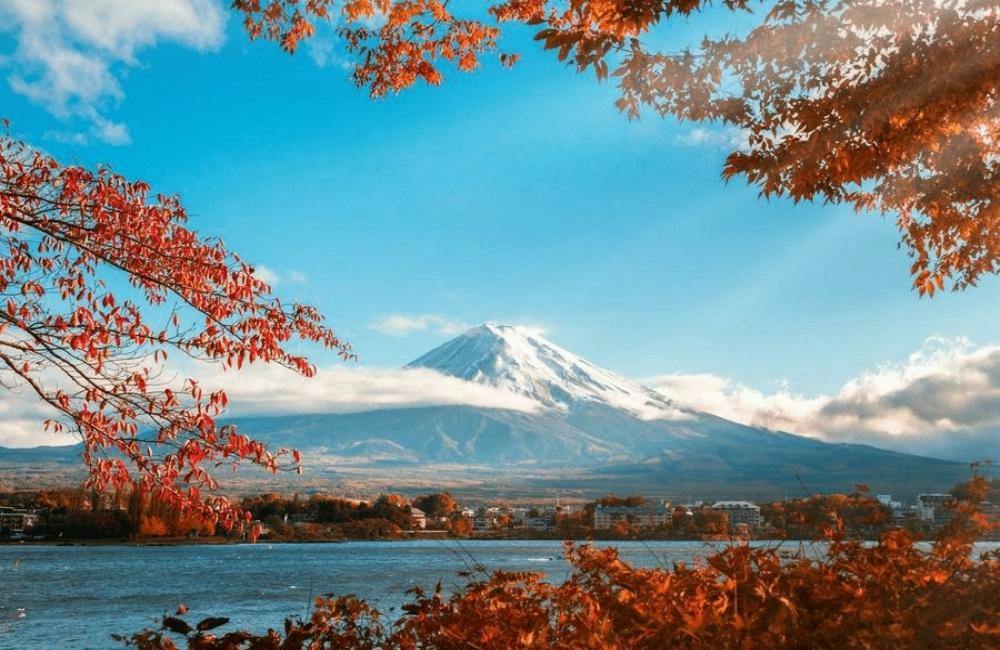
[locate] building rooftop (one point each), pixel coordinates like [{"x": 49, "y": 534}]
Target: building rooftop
[{"x": 631, "y": 509}]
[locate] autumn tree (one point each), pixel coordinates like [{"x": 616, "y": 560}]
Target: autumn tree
[
  {"x": 708, "y": 521},
  {"x": 100, "y": 280},
  {"x": 436, "y": 505},
  {"x": 860, "y": 514},
  {"x": 992, "y": 494},
  {"x": 459, "y": 525},
  {"x": 631, "y": 501},
  {"x": 844, "y": 593},
  {"x": 886, "y": 106}
]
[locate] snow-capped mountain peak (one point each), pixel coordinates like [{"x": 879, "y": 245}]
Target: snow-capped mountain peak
[{"x": 521, "y": 360}]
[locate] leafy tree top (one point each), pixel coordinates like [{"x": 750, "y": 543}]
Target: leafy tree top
[{"x": 98, "y": 358}]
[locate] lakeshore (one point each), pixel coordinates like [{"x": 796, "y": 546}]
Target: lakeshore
[{"x": 77, "y": 596}]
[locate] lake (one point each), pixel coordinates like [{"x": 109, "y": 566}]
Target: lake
[{"x": 77, "y": 596}]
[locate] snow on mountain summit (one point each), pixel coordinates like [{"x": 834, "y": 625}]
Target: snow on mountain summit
[{"x": 522, "y": 361}]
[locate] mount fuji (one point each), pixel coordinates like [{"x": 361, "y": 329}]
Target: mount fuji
[
  {"x": 590, "y": 432},
  {"x": 522, "y": 361}
]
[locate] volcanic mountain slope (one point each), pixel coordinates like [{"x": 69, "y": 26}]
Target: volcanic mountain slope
[
  {"x": 608, "y": 430},
  {"x": 591, "y": 430},
  {"x": 522, "y": 361}
]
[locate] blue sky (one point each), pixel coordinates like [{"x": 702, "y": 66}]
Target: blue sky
[{"x": 515, "y": 196}]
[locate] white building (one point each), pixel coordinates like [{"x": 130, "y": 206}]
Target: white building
[
  {"x": 739, "y": 512},
  {"x": 899, "y": 511},
  {"x": 887, "y": 501},
  {"x": 419, "y": 517},
  {"x": 16, "y": 520},
  {"x": 542, "y": 523},
  {"x": 934, "y": 508},
  {"x": 486, "y": 519},
  {"x": 607, "y": 517}
]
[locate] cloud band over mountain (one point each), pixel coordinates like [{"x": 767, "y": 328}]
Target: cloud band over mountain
[
  {"x": 943, "y": 400},
  {"x": 271, "y": 390}
]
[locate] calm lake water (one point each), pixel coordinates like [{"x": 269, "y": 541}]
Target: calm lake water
[{"x": 77, "y": 596}]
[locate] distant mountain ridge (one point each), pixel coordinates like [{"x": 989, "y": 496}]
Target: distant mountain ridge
[
  {"x": 602, "y": 428},
  {"x": 594, "y": 431}
]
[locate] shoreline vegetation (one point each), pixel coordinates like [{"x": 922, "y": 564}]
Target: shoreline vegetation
[
  {"x": 81, "y": 517},
  {"x": 153, "y": 543},
  {"x": 893, "y": 593}
]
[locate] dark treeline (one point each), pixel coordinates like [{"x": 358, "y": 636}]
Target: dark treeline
[
  {"x": 69, "y": 514},
  {"x": 324, "y": 517},
  {"x": 75, "y": 513}
]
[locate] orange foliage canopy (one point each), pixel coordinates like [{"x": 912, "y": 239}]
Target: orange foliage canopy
[
  {"x": 97, "y": 358},
  {"x": 890, "y": 106},
  {"x": 846, "y": 594}
]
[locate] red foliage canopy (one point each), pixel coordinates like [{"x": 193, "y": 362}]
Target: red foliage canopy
[
  {"x": 842, "y": 594},
  {"x": 97, "y": 359}
]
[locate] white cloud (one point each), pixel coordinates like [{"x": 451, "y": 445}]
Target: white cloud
[
  {"x": 726, "y": 398},
  {"x": 104, "y": 130},
  {"x": 30, "y": 433},
  {"x": 22, "y": 415},
  {"x": 273, "y": 278},
  {"x": 943, "y": 400},
  {"x": 70, "y": 54},
  {"x": 324, "y": 52},
  {"x": 272, "y": 390},
  {"x": 66, "y": 137},
  {"x": 267, "y": 275},
  {"x": 728, "y": 137},
  {"x": 403, "y": 324},
  {"x": 297, "y": 277}
]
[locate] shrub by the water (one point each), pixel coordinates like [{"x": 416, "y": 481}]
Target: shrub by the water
[{"x": 890, "y": 594}]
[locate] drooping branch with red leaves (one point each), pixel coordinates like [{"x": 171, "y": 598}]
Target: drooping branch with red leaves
[
  {"x": 97, "y": 358},
  {"x": 889, "y": 106}
]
